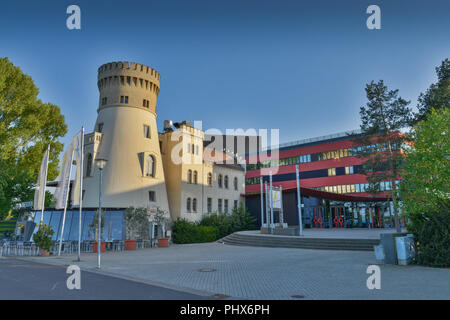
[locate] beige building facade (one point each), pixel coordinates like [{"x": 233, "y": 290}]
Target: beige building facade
[{"x": 147, "y": 168}]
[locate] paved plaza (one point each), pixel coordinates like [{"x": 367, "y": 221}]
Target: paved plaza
[{"x": 265, "y": 273}]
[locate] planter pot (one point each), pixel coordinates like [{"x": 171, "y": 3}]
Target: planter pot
[
  {"x": 130, "y": 244},
  {"x": 163, "y": 242},
  {"x": 44, "y": 253},
  {"x": 102, "y": 246}
]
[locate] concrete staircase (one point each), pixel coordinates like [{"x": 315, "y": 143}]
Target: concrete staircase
[{"x": 242, "y": 239}]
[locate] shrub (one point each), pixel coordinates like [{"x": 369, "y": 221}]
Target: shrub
[
  {"x": 43, "y": 237},
  {"x": 189, "y": 232},
  {"x": 432, "y": 236}
]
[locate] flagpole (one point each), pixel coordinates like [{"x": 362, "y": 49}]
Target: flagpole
[
  {"x": 65, "y": 205},
  {"x": 299, "y": 203},
  {"x": 81, "y": 191},
  {"x": 45, "y": 184}
]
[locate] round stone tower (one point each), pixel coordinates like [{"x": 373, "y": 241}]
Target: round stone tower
[{"x": 126, "y": 135}]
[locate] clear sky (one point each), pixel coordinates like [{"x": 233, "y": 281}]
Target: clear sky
[{"x": 299, "y": 66}]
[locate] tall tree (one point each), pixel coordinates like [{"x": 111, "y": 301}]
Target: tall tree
[
  {"x": 437, "y": 95},
  {"x": 384, "y": 115},
  {"x": 426, "y": 171},
  {"x": 27, "y": 127}
]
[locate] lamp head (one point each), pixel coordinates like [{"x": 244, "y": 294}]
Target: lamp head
[{"x": 101, "y": 163}]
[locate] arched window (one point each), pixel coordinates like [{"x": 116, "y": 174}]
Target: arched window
[
  {"x": 210, "y": 179},
  {"x": 219, "y": 181},
  {"x": 150, "y": 166},
  {"x": 195, "y": 177},
  {"x": 235, "y": 183},
  {"x": 189, "y": 176},
  {"x": 226, "y": 182},
  {"x": 194, "y": 205},
  {"x": 89, "y": 165},
  {"x": 188, "y": 204}
]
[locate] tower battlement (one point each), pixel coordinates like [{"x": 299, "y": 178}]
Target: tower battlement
[{"x": 128, "y": 83}]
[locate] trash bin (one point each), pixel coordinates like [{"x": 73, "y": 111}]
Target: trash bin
[
  {"x": 379, "y": 253},
  {"x": 387, "y": 240},
  {"x": 406, "y": 249}
]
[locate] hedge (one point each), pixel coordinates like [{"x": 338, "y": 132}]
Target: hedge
[{"x": 188, "y": 232}]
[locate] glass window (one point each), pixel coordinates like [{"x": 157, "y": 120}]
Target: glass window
[
  {"x": 150, "y": 166},
  {"x": 188, "y": 204},
  {"x": 219, "y": 205},
  {"x": 195, "y": 177},
  {"x": 235, "y": 204},
  {"x": 67, "y": 225},
  {"x": 209, "y": 205},
  {"x": 189, "y": 176},
  {"x": 209, "y": 179},
  {"x": 146, "y": 131},
  {"x": 194, "y": 205},
  {"x": 226, "y": 205},
  {"x": 89, "y": 165},
  {"x": 219, "y": 181},
  {"x": 126, "y": 99},
  {"x": 151, "y": 196},
  {"x": 226, "y": 182},
  {"x": 235, "y": 183}
]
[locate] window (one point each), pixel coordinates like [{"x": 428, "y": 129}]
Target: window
[
  {"x": 219, "y": 181},
  {"x": 209, "y": 205},
  {"x": 122, "y": 80},
  {"x": 196, "y": 150},
  {"x": 121, "y": 99},
  {"x": 331, "y": 172},
  {"x": 146, "y": 131},
  {"x": 104, "y": 101},
  {"x": 189, "y": 176},
  {"x": 209, "y": 179},
  {"x": 219, "y": 205},
  {"x": 128, "y": 80},
  {"x": 226, "y": 205},
  {"x": 226, "y": 182},
  {"x": 126, "y": 99},
  {"x": 89, "y": 165},
  {"x": 193, "y": 149},
  {"x": 349, "y": 170},
  {"x": 100, "y": 127},
  {"x": 150, "y": 166},
  {"x": 188, "y": 149},
  {"x": 188, "y": 204},
  {"x": 235, "y": 204},
  {"x": 194, "y": 205},
  {"x": 151, "y": 196},
  {"x": 195, "y": 177},
  {"x": 235, "y": 183}
]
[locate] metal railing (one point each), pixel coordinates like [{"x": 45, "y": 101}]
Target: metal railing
[{"x": 21, "y": 248}]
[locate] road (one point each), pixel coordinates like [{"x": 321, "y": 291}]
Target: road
[{"x": 21, "y": 279}]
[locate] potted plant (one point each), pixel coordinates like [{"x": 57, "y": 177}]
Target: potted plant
[
  {"x": 93, "y": 227},
  {"x": 159, "y": 216},
  {"x": 136, "y": 226},
  {"x": 43, "y": 239}
]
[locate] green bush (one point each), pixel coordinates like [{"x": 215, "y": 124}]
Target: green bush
[
  {"x": 189, "y": 232},
  {"x": 213, "y": 226},
  {"x": 43, "y": 237},
  {"x": 432, "y": 236}
]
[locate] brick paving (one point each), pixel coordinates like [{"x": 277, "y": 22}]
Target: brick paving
[{"x": 267, "y": 273}]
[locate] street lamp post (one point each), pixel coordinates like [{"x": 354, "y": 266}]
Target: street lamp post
[{"x": 101, "y": 163}]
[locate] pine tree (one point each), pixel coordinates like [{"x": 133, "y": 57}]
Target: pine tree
[{"x": 384, "y": 115}]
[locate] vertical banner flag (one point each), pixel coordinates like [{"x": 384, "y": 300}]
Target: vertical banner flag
[
  {"x": 77, "y": 144},
  {"x": 64, "y": 178},
  {"x": 39, "y": 193},
  {"x": 276, "y": 198}
]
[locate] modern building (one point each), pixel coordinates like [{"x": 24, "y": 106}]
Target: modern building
[{"x": 332, "y": 187}]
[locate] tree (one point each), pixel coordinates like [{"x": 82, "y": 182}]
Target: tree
[
  {"x": 27, "y": 127},
  {"x": 426, "y": 171},
  {"x": 381, "y": 121},
  {"x": 437, "y": 95}
]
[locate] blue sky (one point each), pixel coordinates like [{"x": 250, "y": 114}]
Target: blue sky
[{"x": 300, "y": 66}]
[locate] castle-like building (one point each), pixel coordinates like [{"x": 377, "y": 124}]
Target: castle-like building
[{"x": 172, "y": 170}]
